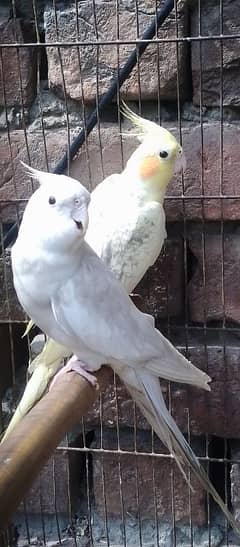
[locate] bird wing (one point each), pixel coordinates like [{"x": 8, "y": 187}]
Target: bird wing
[
  {"x": 126, "y": 235},
  {"x": 95, "y": 311}
]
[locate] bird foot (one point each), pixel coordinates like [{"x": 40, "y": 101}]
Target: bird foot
[{"x": 74, "y": 364}]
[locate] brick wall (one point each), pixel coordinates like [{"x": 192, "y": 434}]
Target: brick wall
[{"x": 192, "y": 290}]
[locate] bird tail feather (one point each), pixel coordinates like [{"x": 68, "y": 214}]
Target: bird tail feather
[
  {"x": 148, "y": 396},
  {"x": 173, "y": 366}
]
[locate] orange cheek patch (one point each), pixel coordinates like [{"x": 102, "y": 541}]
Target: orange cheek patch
[{"x": 149, "y": 167}]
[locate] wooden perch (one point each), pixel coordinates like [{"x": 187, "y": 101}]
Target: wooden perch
[{"x": 34, "y": 439}]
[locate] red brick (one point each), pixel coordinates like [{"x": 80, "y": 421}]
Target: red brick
[
  {"x": 206, "y": 62},
  {"x": 57, "y": 488},
  {"x": 40, "y": 497},
  {"x": 111, "y": 409},
  {"x": 10, "y": 32},
  {"x": 10, "y": 308},
  {"x": 215, "y": 412},
  {"x": 162, "y": 286},
  {"x": 214, "y": 294},
  {"x": 207, "y": 181},
  {"x": 146, "y": 482}
]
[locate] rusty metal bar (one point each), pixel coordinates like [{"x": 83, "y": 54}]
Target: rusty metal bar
[{"x": 27, "y": 449}]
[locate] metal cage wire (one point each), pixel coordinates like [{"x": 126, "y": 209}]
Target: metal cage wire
[{"x": 183, "y": 330}]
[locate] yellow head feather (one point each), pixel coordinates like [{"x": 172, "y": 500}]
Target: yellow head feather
[
  {"x": 139, "y": 123},
  {"x": 145, "y": 127}
]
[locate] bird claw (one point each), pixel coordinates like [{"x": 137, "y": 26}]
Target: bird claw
[
  {"x": 75, "y": 365},
  {"x": 80, "y": 368}
]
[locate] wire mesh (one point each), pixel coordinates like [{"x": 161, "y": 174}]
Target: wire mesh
[{"x": 104, "y": 484}]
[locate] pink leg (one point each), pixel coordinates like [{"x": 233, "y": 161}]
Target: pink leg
[{"x": 74, "y": 364}]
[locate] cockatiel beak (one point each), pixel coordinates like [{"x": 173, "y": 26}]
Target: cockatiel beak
[{"x": 80, "y": 217}]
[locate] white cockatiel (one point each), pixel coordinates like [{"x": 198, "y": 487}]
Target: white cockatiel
[
  {"x": 126, "y": 229},
  {"x": 74, "y": 298}
]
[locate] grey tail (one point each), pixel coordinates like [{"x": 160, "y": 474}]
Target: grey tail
[{"x": 148, "y": 395}]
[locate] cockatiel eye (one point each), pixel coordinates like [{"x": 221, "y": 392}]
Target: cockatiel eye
[
  {"x": 52, "y": 200},
  {"x": 163, "y": 154}
]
